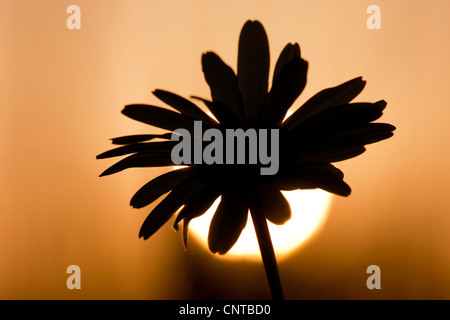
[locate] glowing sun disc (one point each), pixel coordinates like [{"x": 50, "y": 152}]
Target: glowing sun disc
[{"x": 309, "y": 208}]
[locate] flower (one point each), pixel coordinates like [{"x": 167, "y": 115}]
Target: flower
[{"x": 328, "y": 128}]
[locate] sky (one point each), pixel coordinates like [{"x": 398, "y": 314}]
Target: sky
[{"x": 61, "y": 93}]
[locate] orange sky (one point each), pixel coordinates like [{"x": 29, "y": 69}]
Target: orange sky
[{"x": 61, "y": 93}]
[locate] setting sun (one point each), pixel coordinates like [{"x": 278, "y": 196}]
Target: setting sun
[{"x": 309, "y": 209}]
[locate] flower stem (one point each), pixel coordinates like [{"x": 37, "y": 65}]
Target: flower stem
[{"x": 266, "y": 248}]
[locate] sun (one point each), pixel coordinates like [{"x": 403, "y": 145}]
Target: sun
[{"x": 309, "y": 209}]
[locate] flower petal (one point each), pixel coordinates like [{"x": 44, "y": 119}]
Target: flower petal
[
  {"x": 195, "y": 207},
  {"x": 221, "y": 112},
  {"x": 336, "y": 120},
  {"x": 169, "y": 205},
  {"x": 325, "y": 99},
  {"x": 183, "y": 105},
  {"x": 316, "y": 175},
  {"x": 140, "y": 160},
  {"x": 223, "y": 83},
  {"x": 289, "y": 53},
  {"x": 228, "y": 222},
  {"x": 366, "y": 134},
  {"x": 276, "y": 207},
  {"x": 153, "y": 147},
  {"x": 158, "y": 117},
  {"x": 160, "y": 185},
  {"x": 286, "y": 88},
  {"x": 253, "y": 67},
  {"x": 333, "y": 154},
  {"x": 139, "y": 138}
]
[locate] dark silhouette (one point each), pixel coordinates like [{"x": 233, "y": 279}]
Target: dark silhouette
[{"x": 326, "y": 129}]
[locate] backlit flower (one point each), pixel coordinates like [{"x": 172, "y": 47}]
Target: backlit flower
[{"x": 328, "y": 128}]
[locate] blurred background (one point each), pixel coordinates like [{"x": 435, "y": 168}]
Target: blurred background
[{"x": 61, "y": 93}]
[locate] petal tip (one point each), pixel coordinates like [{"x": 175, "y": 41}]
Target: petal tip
[
  {"x": 134, "y": 205},
  {"x": 251, "y": 22},
  {"x": 104, "y": 173},
  {"x": 381, "y": 104},
  {"x": 253, "y": 26}
]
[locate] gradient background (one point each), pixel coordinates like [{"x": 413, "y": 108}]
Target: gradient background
[{"x": 61, "y": 93}]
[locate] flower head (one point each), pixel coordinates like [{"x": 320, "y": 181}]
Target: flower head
[{"x": 328, "y": 128}]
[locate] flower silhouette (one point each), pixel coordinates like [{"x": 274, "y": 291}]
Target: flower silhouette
[{"x": 328, "y": 128}]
